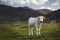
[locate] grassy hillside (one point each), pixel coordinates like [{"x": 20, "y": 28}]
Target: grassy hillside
[
  {"x": 55, "y": 15},
  {"x": 19, "y": 31}
]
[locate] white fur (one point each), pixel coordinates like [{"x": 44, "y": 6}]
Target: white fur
[{"x": 33, "y": 22}]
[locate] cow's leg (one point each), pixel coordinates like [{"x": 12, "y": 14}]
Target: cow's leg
[
  {"x": 29, "y": 29},
  {"x": 40, "y": 28},
  {"x": 36, "y": 29}
]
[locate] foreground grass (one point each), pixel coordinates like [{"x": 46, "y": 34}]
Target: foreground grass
[{"x": 19, "y": 31}]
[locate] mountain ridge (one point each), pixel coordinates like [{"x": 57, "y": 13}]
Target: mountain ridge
[{"x": 23, "y": 13}]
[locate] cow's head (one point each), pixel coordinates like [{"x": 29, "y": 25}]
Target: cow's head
[{"x": 41, "y": 19}]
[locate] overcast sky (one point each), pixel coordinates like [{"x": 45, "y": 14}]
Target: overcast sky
[{"x": 35, "y": 4}]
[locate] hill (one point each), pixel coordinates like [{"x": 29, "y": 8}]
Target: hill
[
  {"x": 55, "y": 15},
  {"x": 45, "y": 11},
  {"x": 21, "y": 13}
]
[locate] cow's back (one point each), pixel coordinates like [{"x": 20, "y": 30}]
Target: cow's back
[{"x": 32, "y": 21}]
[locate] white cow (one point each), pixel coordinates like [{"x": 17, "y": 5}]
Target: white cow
[{"x": 35, "y": 22}]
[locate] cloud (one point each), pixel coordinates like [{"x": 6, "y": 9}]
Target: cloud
[
  {"x": 42, "y": 1},
  {"x": 15, "y": 1},
  {"x": 50, "y": 8},
  {"x": 34, "y": 2},
  {"x": 56, "y": 3},
  {"x": 4, "y": 0},
  {"x": 58, "y": 0},
  {"x": 47, "y": 8},
  {"x": 37, "y": 2},
  {"x": 11, "y": 2},
  {"x": 42, "y": 8}
]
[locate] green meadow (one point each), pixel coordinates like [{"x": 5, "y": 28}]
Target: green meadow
[{"x": 19, "y": 31}]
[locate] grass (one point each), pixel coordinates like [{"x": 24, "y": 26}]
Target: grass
[{"x": 19, "y": 31}]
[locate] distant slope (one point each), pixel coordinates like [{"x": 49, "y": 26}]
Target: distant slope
[
  {"x": 55, "y": 15},
  {"x": 45, "y": 11},
  {"x": 22, "y": 13}
]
